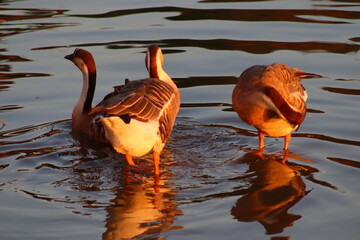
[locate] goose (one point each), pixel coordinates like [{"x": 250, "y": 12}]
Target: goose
[
  {"x": 272, "y": 99},
  {"x": 137, "y": 117}
]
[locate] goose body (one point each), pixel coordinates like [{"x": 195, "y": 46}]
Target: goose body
[
  {"x": 137, "y": 117},
  {"x": 272, "y": 99}
]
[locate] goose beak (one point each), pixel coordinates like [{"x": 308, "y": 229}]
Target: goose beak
[{"x": 69, "y": 57}]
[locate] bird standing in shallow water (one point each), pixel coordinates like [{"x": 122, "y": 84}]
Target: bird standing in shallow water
[
  {"x": 137, "y": 117},
  {"x": 271, "y": 99}
]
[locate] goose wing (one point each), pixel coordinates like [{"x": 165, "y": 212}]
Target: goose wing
[
  {"x": 285, "y": 90},
  {"x": 145, "y": 100}
]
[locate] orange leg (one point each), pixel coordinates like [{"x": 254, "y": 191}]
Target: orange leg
[
  {"x": 286, "y": 155},
  {"x": 156, "y": 158},
  {"x": 287, "y": 139},
  {"x": 129, "y": 159},
  {"x": 261, "y": 140}
]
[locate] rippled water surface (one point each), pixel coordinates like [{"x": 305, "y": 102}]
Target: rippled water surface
[{"x": 58, "y": 184}]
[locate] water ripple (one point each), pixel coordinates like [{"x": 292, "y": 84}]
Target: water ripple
[{"x": 191, "y": 14}]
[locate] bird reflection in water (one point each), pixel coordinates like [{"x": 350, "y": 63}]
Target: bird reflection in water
[
  {"x": 141, "y": 209},
  {"x": 143, "y": 205},
  {"x": 276, "y": 189}
]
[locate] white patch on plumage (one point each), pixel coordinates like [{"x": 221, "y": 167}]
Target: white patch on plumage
[{"x": 136, "y": 138}]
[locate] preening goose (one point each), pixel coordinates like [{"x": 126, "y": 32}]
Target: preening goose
[
  {"x": 271, "y": 99},
  {"x": 137, "y": 117}
]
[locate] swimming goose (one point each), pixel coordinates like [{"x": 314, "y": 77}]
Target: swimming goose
[
  {"x": 137, "y": 117},
  {"x": 271, "y": 99}
]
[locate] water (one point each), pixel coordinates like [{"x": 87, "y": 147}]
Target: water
[{"x": 58, "y": 184}]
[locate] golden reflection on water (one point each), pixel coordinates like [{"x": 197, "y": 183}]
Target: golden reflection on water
[
  {"x": 141, "y": 208},
  {"x": 277, "y": 188},
  {"x": 143, "y": 204}
]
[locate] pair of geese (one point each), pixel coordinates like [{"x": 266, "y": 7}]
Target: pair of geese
[{"x": 138, "y": 116}]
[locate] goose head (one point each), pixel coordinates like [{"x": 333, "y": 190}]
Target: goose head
[{"x": 83, "y": 60}]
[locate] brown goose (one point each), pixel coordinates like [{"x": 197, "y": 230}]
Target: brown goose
[
  {"x": 271, "y": 99},
  {"x": 137, "y": 117}
]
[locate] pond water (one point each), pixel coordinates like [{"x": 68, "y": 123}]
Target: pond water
[{"x": 58, "y": 184}]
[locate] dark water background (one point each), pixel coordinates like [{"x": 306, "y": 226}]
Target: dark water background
[{"x": 57, "y": 184}]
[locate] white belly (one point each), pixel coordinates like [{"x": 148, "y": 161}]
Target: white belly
[{"x": 136, "y": 138}]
